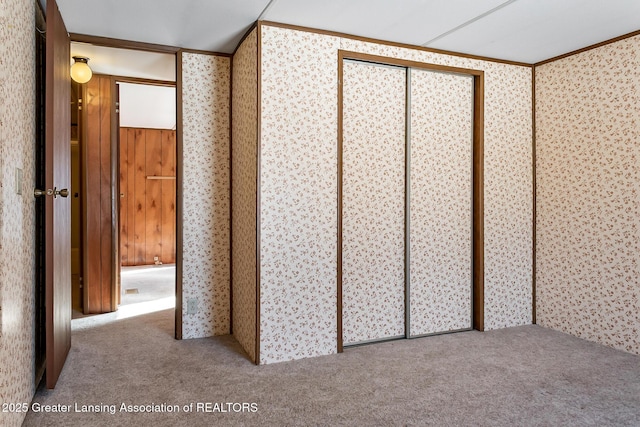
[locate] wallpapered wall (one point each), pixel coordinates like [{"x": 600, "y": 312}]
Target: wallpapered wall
[
  {"x": 244, "y": 170},
  {"x": 588, "y": 205},
  {"x": 205, "y": 192},
  {"x": 298, "y": 209},
  {"x": 298, "y": 189},
  {"x": 17, "y": 142}
]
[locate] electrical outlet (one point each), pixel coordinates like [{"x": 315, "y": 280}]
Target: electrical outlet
[{"x": 192, "y": 305}]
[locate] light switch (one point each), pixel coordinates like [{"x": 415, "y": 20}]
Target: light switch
[{"x": 19, "y": 181}]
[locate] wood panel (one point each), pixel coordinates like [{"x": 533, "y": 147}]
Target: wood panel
[
  {"x": 139, "y": 197},
  {"x": 97, "y": 227},
  {"x": 168, "y": 209},
  {"x": 128, "y": 191},
  {"x": 124, "y": 173},
  {"x": 147, "y": 212},
  {"x": 106, "y": 253},
  {"x": 153, "y": 218}
]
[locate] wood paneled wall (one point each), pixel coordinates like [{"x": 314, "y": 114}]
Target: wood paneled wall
[
  {"x": 147, "y": 196},
  {"x": 98, "y": 214}
]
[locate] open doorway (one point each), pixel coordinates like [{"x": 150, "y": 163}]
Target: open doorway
[
  {"x": 124, "y": 161},
  {"x": 147, "y": 182}
]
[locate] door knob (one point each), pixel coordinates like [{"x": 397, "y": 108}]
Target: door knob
[
  {"x": 55, "y": 193},
  {"x": 38, "y": 193},
  {"x": 62, "y": 193}
]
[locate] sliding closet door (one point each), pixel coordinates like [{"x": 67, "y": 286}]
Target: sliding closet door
[
  {"x": 441, "y": 133},
  {"x": 373, "y": 202}
]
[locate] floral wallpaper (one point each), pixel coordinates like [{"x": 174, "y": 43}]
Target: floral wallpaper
[
  {"x": 298, "y": 211},
  {"x": 298, "y": 188},
  {"x": 440, "y": 204},
  {"x": 244, "y": 170},
  {"x": 588, "y": 175},
  {"x": 373, "y": 280},
  {"x": 17, "y": 212},
  {"x": 205, "y": 192}
]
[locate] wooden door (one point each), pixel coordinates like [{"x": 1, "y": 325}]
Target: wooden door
[
  {"x": 57, "y": 208},
  {"x": 373, "y": 202},
  {"x": 100, "y": 204}
]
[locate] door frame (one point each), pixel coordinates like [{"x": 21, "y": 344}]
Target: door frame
[
  {"x": 40, "y": 334},
  {"x": 477, "y": 261},
  {"x": 115, "y": 174},
  {"x": 155, "y": 48}
]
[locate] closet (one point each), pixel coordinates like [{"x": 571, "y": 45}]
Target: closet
[{"x": 406, "y": 201}]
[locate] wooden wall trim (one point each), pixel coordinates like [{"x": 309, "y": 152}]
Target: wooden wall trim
[
  {"x": 340, "y": 344},
  {"x": 206, "y": 52},
  {"x": 179, "y": 198},
  {"x": 478, "y": 202},
  {"x": 244, "y": 37},
  {"x": 84, "y": 178},
  {"x": 150, "y": 82},
  {"x": 158, "y": 129},
  {"x": 376, "y": 59},
  {"x": 122, "y": 44},
  {"x": 395, "y": 44},
  {"x": 231, "y": 196},
  {"x": 534, "y": 195},
  {"x": 258, "y": 190},
  {"x": 590, "y": 47}
]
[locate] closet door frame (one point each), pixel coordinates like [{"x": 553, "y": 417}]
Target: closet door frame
[{"x": 477, "y": 176}]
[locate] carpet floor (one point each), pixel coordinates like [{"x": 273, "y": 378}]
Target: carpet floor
[{"x": 522, "y": 376}]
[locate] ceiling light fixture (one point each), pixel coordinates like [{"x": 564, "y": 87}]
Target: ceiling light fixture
[{"x": 80, "y": 70}]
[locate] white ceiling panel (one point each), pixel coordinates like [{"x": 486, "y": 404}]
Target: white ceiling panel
[
  {"x": 212, "y": 25},
  {"x": 144, "y": 106},
  {"x": 518, "y": 30},
  {"x": 403, "y": 21},
  {"x": 534, "y": 30}
]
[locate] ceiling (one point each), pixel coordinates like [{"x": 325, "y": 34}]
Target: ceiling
[{"x": 517, "y": 30}]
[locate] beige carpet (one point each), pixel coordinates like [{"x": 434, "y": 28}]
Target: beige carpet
[{"x": 523, "y": 376}]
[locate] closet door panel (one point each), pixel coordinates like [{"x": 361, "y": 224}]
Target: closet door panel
[
  {"x": 441, "y": 138},
  {"x": 373, "y": 186}
]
